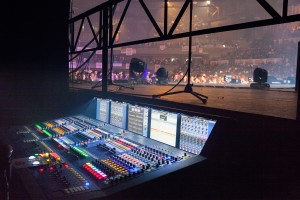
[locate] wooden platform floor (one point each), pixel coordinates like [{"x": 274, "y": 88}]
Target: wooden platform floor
[{"x": 277, "y": 103}]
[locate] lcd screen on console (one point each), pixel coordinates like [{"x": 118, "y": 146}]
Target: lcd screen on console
[
  {"x": 117, "y": 113},
  {"x": 138, "y": 119},
  {"x": 164, "y": 127},
  {"x": 102, "y": 110},
  {"x": 194, "y": 132}
]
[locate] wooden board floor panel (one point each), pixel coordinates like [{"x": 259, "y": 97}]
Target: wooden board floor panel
[{"x": 277, "y": 103}]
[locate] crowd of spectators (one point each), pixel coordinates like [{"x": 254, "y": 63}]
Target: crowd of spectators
[
  {"x": 241, "y": 73},
  {"x": 201, "y": 73},
  {"x": 208, "y": 71}
]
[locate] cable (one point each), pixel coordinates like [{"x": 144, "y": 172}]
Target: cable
[{"x": 176, "y": 83}]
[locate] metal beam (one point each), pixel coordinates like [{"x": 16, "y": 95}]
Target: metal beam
[
  {"x": 94, "y": 10},
  {"x": 84, "y": 63},
  {"x": 121, "y": 20},
  {"x": 160, "y": 33},
  {"x": 72, "y": 37},
  {"x": 285, "y": 8},
  {"x": 269, "y": 9},
  {"x": 100, "y": 28},
  {"x": 166, "y": 18},
  {"x": 105, "y": 50},
  {"x": 254, "y": 24},
  {"x": 79, "y": 32},
  {"x": 277, "y": 20},
  {"x": 110, "y": 24},
  {"x": 260, "y": 23},
  {"x": 91, "y": 26},
  {"x": 297, "y": 84},
  {"x": 190, "y": 42},
  {"x": 266, "y": 22},
  {"x": 178, "y": 18}
]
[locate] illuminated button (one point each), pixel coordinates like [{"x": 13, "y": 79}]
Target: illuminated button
[
  {"x": 31, "y": 157},
  {"x": 36, "y": 163}
]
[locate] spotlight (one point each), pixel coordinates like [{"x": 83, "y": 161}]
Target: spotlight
[
  {"x": 138, "y": 70},
  {"x": 260, "y": 77},
  {"x": 162, "y": 76}
]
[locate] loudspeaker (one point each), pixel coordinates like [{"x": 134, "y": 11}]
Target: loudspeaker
[
  {"x": 162, "y": 76},
  {"x": 260, "y": 75}
]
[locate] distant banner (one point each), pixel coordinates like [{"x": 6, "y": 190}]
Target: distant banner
[
  {"x": 72, "y": 65},
  {"x": 201, "y": 50},
  {"x": 240, "y": 62},
  {"x": 162, "y": 47},
  {"x": 249, "y": 61},
  {"x": 257, "y": 61},
  {"x": 99, "y": 65},
  {"x": 128, "y": 51},
  {"x": 274, "y": 60},
  {"x": 219, "y": 62},
  {"x": 117, "y": 65},
  {"x": 186, "y": 48}
]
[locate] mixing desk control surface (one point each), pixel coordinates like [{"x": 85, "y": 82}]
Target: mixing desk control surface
[{"x": 78, "y": 157}]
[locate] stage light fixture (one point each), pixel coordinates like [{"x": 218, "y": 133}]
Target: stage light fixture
[
  {"x": 162, "y": 76},
  {"x": 137, "y": 68},
  {"x": 138, "y": 71},
  {"x": 260, "y": 75},
  {"x": 260, "y": 78}
]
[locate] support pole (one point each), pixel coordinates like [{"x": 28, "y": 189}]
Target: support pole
[
  {"x": 297, "y": 83},
  {"x": 105, "y": 50},
  {"x": 166, "y": 18},
  {"x": 190, "y": 42}
]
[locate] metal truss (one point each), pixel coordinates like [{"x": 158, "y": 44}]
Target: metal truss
[
  {"x": 164, "y": 34},
  {"x": 105, "y": 37}
]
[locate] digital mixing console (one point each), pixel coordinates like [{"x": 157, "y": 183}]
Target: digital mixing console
[{"x": 83, "y": 158}]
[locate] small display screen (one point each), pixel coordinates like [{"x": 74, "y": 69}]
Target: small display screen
[
  {"x": 102, "y": 110},
  {"x": 194, "y": 132},
  {"x": 164, "y": 127},
  {"x": 138, "y": 119},
  {"x": 117, "y": 114}
]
